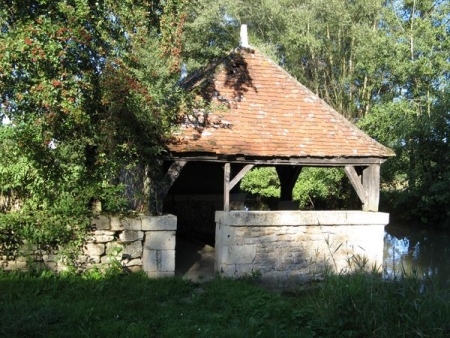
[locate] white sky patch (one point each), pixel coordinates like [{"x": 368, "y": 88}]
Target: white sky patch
[{"x": 6, "y": 120}]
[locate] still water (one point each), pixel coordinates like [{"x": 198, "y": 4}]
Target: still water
[{"x": 417, "y": 250}]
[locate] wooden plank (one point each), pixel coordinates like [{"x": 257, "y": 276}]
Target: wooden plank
[
  {"x": 355, "y": 181},
  {"x": 270, "y": 161},
  {"x": 226, "y": 187},
  {"x": 371, "y": 183},
  {"x": 240, "y": 175}
]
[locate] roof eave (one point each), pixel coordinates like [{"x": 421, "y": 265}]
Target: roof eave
[{"x": 318, "y": 161}]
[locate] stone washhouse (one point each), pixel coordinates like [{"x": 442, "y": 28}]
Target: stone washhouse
[{"x": 259, "y": 115}]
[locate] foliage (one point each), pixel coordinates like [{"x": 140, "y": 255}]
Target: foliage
[
  {"x": 319, "y": 188},
  {"x": 316, "y": 188},
  {"x": 382, "y": 64},
  {"x": 262, "y": 181},
  {"x": 86, "y": 90}
]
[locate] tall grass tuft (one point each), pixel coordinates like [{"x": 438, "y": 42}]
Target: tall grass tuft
[{"x": 363, "y": 304}]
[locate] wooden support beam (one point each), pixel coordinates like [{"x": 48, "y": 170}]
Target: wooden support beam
[
  {"x": 229, "y": 184},
  {"x": 240, "y": 175},
  {"x": 371, "y": 183},
  {"x": 169, "y": 178},
  {"x": 288, "y": 176},
  {"x": 356, "y": 182},
  {"x": 159, "y": 186}
]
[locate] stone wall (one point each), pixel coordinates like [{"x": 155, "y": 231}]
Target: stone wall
[
  {"x": 138, "y": 243},
  {"x": 288, "y": 248}
]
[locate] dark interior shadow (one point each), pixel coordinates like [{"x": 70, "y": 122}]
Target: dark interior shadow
[{"x": 186, "y": 254}]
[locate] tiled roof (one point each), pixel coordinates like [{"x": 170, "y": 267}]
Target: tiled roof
[{"x": 268, "y": 114}]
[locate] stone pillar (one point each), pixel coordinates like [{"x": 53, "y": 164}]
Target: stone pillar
[{"x": 158, "y": 255}]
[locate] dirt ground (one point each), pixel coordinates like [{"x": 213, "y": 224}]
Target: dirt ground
[{"x": 194, "y": 260}]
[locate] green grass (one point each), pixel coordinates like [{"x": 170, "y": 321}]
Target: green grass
[{"x": 358, "y": 305}]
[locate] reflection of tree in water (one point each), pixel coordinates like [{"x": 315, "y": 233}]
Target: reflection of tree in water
[{"x": 409, "y": 250}]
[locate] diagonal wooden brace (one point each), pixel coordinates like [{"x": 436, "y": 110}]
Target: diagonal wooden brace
[{"x": 228, "y": 185}]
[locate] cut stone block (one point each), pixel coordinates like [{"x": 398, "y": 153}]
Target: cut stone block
[
  {"x": 164, "y": 222},
  {"x": 116, "y": 224},
  {"x": 132, "y": 250},
  {"x": 131, "y": 236},
  {"x": 103, "y": 239},
  {"x": 131, "y": 223},
  {"x": 93, "y": 249},
  {"x": 101, "y": 223},
  {"x": 134, "y": 262},
  {"x": 167, "y": 260},
  {"x": 160, "y": 240},
  {"x": 150, "y": 260}
]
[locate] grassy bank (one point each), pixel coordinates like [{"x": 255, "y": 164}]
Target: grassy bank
[{"x": 359, "y": 305}]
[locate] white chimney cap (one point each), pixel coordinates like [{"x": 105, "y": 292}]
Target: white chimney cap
[{"x": 244, "y": 37}]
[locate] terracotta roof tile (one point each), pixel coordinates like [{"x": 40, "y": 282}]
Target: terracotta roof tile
[{"x": 269, "y": 114}]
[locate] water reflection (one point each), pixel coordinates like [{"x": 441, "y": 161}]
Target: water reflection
[{"x": 412, "y": 250}]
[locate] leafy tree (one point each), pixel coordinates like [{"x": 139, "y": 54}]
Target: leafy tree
[
  {"x": 87, "y": 87},
  {"x": 383, "y": 64},
  {"x": 262, "y": 181}
]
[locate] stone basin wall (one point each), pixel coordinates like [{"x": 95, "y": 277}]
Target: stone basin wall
[
  {"x": 288, "y": 248},
  {"x": 137, "y": 243}
]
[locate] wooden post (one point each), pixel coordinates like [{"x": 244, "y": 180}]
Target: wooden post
[
  {"x": 228, "y": 185},
  {"x": 367, "y": 185},
  {"x": 371, "y": 183},
  {"x": 288, "y": 176}
]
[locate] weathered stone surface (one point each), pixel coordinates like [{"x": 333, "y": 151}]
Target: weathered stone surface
[
  {"x": 50, "y": 258},
  {"x": 93, "y": 249},
  {"x": 131, "y": 236},
  {"x": 108, "y": 259},
  {"x": 132, "y": 250},
  {"x": 104, "y": 233},
  {"x": 94, "y": 259},
  {"x": 114, "y": 249},
  {"x": 15, "y": 265},
  {"x": 296, "y": 218},
  {"x": 159, "y": 260},
  {"x": 134, "y": 268},
  {"x": 62, "y": 268},
  {"x": 134, "y": 262},
  {"x": 164, "y": 222},
  {"x": 284, "y": 253},
  {"x": 159, "y": 274},
  {"x": 160, "y": 240},
  {"x": 101, "y": 222},
  {"x": 103, "y": 239},
  {"x": 83, "y": 259},
  {"x": 150, "y": 261},
  {"x": 51, "y": 265},
  {"x": 238, "y": 254},
  {"x": 167, "y": 260},
  {"x": 131, "y": 223},
  {"x": 116, "y": 224}
]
